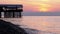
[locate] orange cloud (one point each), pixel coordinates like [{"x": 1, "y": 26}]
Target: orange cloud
[{"x": 29, "y": 7}]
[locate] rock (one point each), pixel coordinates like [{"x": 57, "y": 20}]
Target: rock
[{"x": 9, "y": 28}]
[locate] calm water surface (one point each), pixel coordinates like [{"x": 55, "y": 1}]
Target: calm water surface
[{"x": 42, "y": 23}]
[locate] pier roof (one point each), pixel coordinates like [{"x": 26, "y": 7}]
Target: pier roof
[{"x": 11, "y": 5}]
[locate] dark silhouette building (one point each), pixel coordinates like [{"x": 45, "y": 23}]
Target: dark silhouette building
[{"x": 10, "y": 10}]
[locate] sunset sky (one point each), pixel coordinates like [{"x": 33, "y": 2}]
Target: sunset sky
[{"x": 36, "y": 5}]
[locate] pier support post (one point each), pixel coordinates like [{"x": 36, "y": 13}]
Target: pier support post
[{"x": 12, "y": 14}]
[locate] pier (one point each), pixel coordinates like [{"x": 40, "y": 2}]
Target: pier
[{"x": 10, "y": 11}]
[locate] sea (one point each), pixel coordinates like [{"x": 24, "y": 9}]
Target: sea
[{"x": 37, "y": 24}]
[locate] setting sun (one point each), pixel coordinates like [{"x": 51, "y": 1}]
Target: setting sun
[{"x": 44, "y": 7}]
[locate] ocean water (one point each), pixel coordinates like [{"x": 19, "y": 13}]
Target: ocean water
[{"x": 38, "y": 24}]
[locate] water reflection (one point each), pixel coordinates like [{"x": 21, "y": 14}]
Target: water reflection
[{"x": 41, "y": 24}]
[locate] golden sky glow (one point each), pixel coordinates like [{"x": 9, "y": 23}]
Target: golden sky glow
[
  {"x": 44, "y": 7},
  {"x": 36, "y": 5}
]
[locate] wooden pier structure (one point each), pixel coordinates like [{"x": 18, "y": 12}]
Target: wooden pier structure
[{"x": 10, "y": 11}]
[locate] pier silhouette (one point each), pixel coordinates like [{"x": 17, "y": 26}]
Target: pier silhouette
[{"x": 10, "y": 11}]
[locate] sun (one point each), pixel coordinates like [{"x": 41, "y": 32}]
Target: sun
[
  {"x": 43, "y": 10},
  {"x": 44, "y": 7}
]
